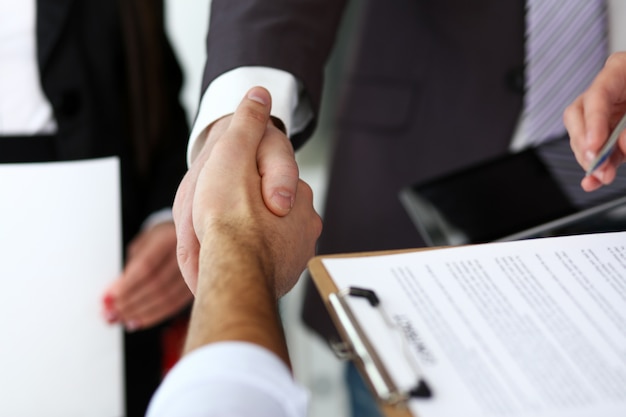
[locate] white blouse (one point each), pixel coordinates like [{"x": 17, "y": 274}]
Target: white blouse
[{"x": 24, "y": 109}]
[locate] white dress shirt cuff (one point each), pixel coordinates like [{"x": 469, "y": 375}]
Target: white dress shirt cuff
[
  {"x": 161, "y": 216},
  {"x": 226, "y": 92},
  {"x": 229, "y": 379}
]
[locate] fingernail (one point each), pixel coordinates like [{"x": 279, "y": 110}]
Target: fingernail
[
  {"x": 589, "y": 156},
  {"x": 110, "y": 316},
  {"x": 108, "y": 300},
  {"x": 283, "y": 200},
  {"x": 132, "y": 325},
  {"x": 599, "y": 175},
  {"x": 252, "y": 95}
]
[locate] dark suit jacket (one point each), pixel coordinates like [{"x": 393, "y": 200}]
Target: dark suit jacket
[
  {"x": 113, "y": 82},
  {"x": 435, "y": 85}
]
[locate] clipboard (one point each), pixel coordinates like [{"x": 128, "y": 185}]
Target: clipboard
[
  {"x": 355, "y": 346},
  {"x": 461, "y": 310}
]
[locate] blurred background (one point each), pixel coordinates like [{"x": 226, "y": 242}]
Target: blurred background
[{"x": 314, "y": 364}]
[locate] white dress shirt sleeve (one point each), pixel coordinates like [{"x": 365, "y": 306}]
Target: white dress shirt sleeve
[
  {"x": 229, "y": 379},
  {"x": 226, "y": 92}
]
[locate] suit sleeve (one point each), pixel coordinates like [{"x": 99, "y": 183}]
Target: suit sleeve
[{"x": 293, "y": 36}]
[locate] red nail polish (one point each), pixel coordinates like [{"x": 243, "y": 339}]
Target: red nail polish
[{"x": 108, "y": 300}]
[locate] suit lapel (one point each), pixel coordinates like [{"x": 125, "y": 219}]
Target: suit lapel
[{"x": 51, "y": 16}]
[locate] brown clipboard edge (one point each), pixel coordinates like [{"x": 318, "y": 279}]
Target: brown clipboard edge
[{"x": 326, "y": 286}]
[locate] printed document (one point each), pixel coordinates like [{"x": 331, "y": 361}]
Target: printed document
[{"x": 525, "y": 329}]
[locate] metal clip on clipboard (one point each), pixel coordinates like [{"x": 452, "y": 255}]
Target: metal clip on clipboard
[{"x": 361, "y": 349}]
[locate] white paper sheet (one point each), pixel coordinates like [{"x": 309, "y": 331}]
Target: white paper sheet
[
  {"x": 531, "y": 328},
  {"x": 60, "y": 244}
]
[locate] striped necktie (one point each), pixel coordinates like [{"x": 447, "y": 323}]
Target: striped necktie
[{"x": 566, "y": 46}]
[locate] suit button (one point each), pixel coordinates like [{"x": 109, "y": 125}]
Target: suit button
[
  {"x": 70, "y": 103},
  {"x": 514, "y": 80}
]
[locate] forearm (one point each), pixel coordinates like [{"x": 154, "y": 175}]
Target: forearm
[{"x": 234, "y": 299}]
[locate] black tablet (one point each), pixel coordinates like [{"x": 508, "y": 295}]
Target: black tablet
[{"x": 532, "y": 193}]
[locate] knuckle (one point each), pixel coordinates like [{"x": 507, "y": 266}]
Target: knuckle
[
  {"x": 254, "y": 115},
  {"x": 142, "y": 267},
  {"x": 186, "y": 261},
  {"x": 316, "y": 228},
  {"x": 305, "y": 188},
  {"x": 567, "y": 114},
  {"x": 290, "y": 169},
  {"x": 183, "y": 255},
  {"x": 615, "y": 58}
]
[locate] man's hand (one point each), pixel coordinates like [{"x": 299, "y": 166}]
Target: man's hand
[
  {"x": 228, "y": 198},
  {"x": 249, "y": 257},
  {"x": 275, "y": 163},
  {"x": 151, "y": 288},
  {"x": 593, "y": 115}
]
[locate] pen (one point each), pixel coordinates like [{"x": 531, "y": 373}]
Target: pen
[{"x": 607, "y": 149}]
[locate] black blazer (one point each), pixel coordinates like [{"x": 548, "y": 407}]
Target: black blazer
[
  {"x": 434, "y": 85},
  {"x": 114, "y": 94},
  {"x": 113, "y": 82}
]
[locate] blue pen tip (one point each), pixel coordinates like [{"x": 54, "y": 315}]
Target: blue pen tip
[{"x": 597, "y": 164}]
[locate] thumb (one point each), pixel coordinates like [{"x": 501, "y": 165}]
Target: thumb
[{"x": 249, "y": 121}]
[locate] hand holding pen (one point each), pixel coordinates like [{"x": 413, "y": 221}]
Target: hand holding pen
[{"x": 595, "y": 122}]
